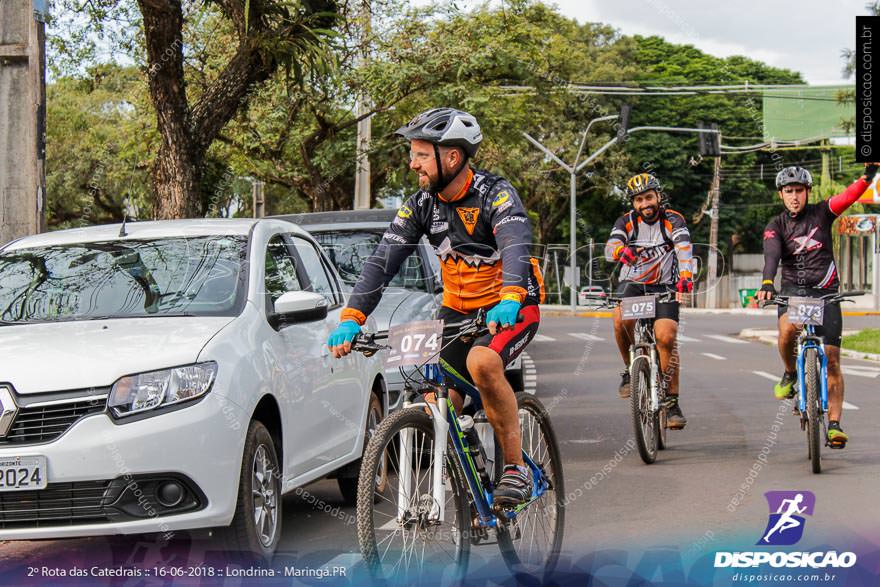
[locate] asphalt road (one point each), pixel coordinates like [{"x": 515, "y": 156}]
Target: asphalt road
[{"x": 706, "y": 490}]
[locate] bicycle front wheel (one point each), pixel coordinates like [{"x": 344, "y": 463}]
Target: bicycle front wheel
[
  {"x": 531, "y": 542},
  {"x": 640, "y": 404},
  {"x": 811, "y": 383},
  {"x": 398, "y": 532}
]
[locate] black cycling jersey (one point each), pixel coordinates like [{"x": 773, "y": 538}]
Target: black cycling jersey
[
  {"x": 482, "y": 237},
  {"x": 804, "y": 243}
]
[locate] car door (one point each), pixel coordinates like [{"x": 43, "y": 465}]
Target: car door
[
  {"x": 299, "y": 365},
  {"x": 344, "y": 399}
]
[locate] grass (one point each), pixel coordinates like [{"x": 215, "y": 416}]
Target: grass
[{"x": 865, "y": 341}]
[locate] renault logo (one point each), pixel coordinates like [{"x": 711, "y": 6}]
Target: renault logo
[{"x": 8, "y": 410}]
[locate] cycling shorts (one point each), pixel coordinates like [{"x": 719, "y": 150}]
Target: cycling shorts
[
  {"x": 832, "y": 319},
  {"x": 631, "y": 289},
  {"x": 507, "y": 343}
]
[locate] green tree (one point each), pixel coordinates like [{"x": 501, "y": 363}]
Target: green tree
[{"x": 266, "y": 35}]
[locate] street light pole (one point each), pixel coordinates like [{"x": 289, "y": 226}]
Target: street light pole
[
  {"x": 576, "y": 168},
  {"x": 573, "y": 171}
]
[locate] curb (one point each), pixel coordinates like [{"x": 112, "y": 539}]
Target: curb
[{"x": 762, "y": 336}]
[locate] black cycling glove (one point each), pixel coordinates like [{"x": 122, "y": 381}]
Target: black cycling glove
[
  {"x": 870, "y": 170},
  {"x": 769, "y": 287}
]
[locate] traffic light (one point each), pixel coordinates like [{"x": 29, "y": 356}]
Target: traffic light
[
  {"x": 710, "y": 143},
  {"x": 623, "y": 122}
]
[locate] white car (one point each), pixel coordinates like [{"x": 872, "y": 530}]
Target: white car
[
  {"x": 173, "y": 375},
  {"x": 592, "y": 295}
]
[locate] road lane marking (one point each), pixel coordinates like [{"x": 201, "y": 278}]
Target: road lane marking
[
  {"x": 585, "y": 336},
  {"x": 728, "y": 339},
  {"x": 683, "y": 338},
  {"x": 861, "y": 371},
  {"x": 544, "y": 338},
  {"x": 766, "y": 375},
  {"x": 530, "y": 374},
  {"x": 714, "y": 356}
]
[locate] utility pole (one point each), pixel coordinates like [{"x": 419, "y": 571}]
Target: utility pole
[
  {"x": 22, "y": 117},
  {"x": 259, "y": 201},
  {"x": 711, "y": 292},
  {"x": 365, "y": 125},
  {"x": 825, "y": 177}
]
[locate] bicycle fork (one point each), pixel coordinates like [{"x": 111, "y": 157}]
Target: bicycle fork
[{"x": 405, "y": 488}]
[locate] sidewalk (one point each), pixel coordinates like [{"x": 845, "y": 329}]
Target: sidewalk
[
  {"x": 593, "y": 312},
  {"x": 769, "y": 337}
]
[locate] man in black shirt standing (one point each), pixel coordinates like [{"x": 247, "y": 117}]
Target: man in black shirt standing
[{"x": 800, "y": 238}]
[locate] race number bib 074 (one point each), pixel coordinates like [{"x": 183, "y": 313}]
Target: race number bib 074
[
  {"x": 415, "y": 343},
  {"x": 638, "y": 307},
  {"x": 806, "y": 311}
]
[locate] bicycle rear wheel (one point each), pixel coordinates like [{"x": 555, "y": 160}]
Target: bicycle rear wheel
[
  {"x": 396, "y": 535},
  {"x": 640, "y": 403},
  {"x": 532, "y": 541},
  {"x": 811, "y": 383}
]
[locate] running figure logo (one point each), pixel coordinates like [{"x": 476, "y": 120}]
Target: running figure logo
[{"x": 786, "y": 524}]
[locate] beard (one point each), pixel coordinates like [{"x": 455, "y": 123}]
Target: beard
[{"x": 649, "y": 213}]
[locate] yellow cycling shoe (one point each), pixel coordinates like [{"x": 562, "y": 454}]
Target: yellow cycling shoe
[
  {"x": 836, "y": 436},
  {"x": 785, "y": 388}
]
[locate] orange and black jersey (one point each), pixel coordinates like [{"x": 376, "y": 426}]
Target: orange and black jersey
[
  {"x": 483, "y": 239},
  {"x": 667, "y": 243}
]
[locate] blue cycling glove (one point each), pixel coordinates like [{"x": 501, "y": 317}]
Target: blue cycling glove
[
  {"x": 504, "y": 313},
  {"x": 345, "y": 332}
]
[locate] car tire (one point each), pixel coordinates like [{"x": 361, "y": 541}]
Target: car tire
[
  {"x": 348, "y": 486},
  {"x": 259, "y": 496}
]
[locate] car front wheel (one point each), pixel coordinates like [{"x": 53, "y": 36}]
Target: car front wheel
[{"x": 256, "y": 526}]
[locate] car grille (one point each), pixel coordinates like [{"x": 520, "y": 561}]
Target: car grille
[
  {"x": 45, "y": 423},
  {"x": 60, "y": 504}
]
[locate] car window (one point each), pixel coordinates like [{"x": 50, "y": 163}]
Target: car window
[
  {"x": 349, "y": 250},
  {"x": 311, "y": 263},
  {"x": 170, "y": 276},
  {"x": 280, "y": 269}
]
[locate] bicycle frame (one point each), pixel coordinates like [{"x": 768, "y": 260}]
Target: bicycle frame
[
  {"x": 644, "y": 331},
  {"x": 445, "y": 422},
  {"x": 809, "y": 340}
]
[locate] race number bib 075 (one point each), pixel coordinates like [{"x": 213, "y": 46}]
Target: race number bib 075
[
  {"x": 638, "y": 307},
  {"x": 415, "y": 343},
  {"x": 806, "y": 311}
]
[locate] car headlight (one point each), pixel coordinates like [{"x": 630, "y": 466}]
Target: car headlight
[{"x": 136, "y": 394}]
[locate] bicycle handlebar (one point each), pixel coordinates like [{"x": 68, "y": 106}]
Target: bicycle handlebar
[
  {"x": 472, "y": 327},
  {"x": 826, "y": 299}
]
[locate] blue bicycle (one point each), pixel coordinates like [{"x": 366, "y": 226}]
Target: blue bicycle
[
  {"x": 812, "y": 367},
  {"x": 422, "y": 503}
]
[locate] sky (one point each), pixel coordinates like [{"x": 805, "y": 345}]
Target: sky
[{"x": 805, "y": 36}]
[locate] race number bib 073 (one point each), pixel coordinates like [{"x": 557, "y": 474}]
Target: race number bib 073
[
  {"x": 806, "y": 311},
  {"x": 638, "y": 307},
  {"x": 415, "y": 343}
]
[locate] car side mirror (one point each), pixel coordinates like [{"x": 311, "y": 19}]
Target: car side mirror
[{"x": 298, "y": 306}]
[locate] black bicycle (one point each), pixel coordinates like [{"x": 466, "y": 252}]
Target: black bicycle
[{"x": 436, "y": 497}]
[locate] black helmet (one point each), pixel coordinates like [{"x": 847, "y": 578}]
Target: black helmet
[
  {"x": 641, "y": 183},
  {"x": 794, "y": 174},
  {"x": 446, "y": 127}
]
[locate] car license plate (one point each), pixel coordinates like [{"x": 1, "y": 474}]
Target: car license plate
[
  {"x": 641, "y": 307},
  {"x": 22, "y": 473}
]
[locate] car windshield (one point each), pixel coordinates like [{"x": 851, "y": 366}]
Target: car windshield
[
  {"x": 194, "y": 276},
  {"x": 349, "y": 249}
]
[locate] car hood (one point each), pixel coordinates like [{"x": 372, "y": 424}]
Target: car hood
[{"x": 62, "y": 356}]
